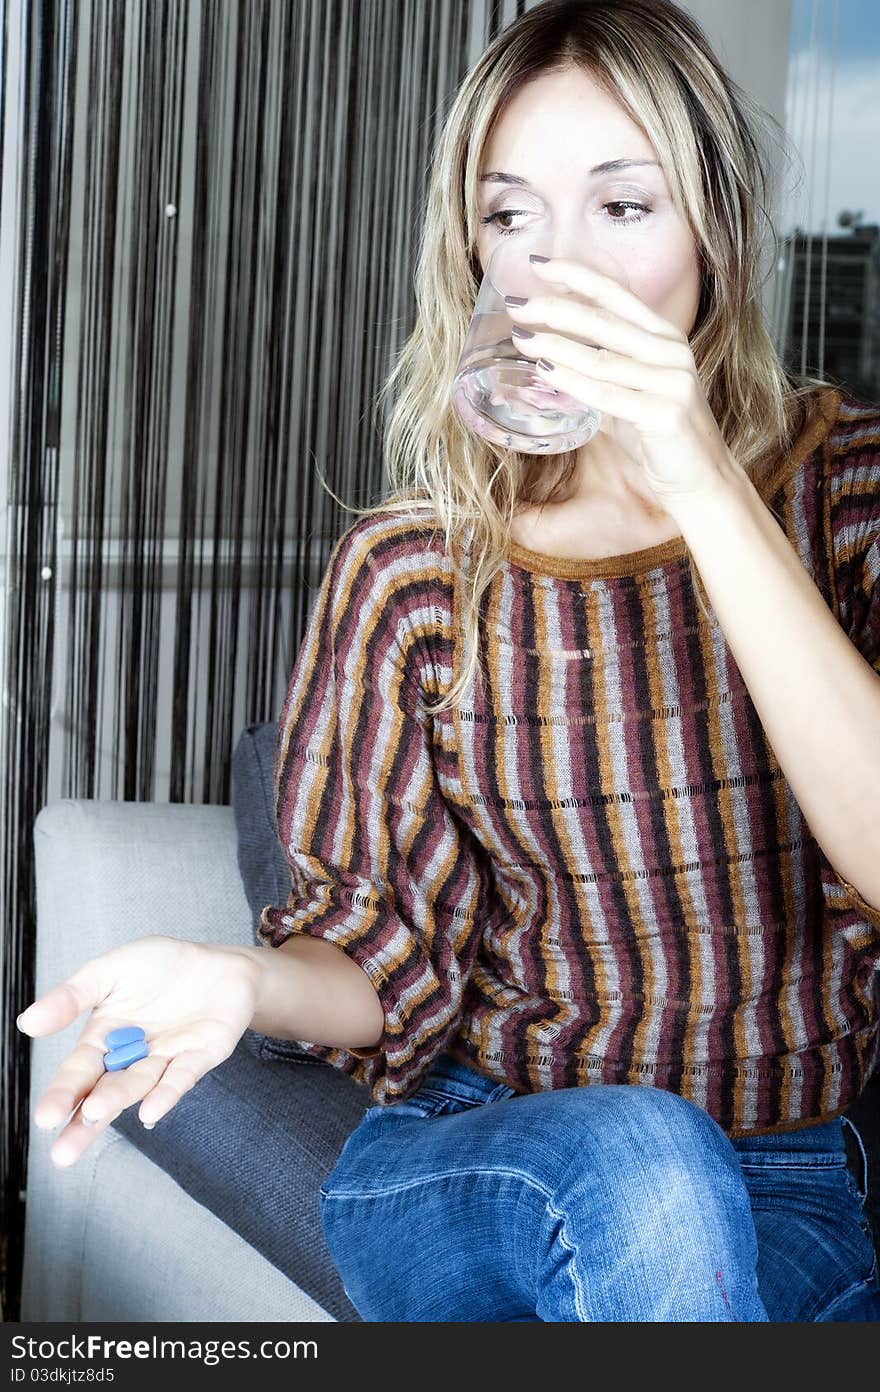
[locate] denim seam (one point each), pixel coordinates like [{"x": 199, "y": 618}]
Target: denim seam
[
  {"x": 442, "y": 1097},
  {"x": 846, "y": 1295},
  {"x": 494, "y": 1171},
  {"x": 442, "y": 1174},
  {"x": 862, "y": 1194},
  {"x": 771, "y": 1165},
  {"x": 578, "y": 1289}
]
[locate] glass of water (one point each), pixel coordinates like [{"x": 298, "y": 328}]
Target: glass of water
[{"x": 497, "y": 391}]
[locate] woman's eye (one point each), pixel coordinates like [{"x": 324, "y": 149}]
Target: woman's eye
[
  {"x": 496, "y": 218},
  {"x": 641, "y": 211},
  {"x": 625, "y": 203}
]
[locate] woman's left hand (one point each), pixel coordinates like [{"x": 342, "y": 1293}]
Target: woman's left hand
[{"x": 643, "y": 374}]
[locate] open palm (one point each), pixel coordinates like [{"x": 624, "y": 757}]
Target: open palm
[{"x": 192, "y": 1000}]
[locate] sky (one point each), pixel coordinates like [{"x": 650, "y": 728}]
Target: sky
[{"x": 853, "y": 170}]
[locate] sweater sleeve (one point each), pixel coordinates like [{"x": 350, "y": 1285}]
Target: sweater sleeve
[
  {"x": 379, "y": 863},
  {"x": 854, "y": 509}
]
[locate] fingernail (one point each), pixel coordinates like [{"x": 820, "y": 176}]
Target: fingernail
[
  {"x": 517, "y": 332},
  {"x": 516, "y": 299},
  {"x": 148, "y": 1125},
  {"x": 89, "y": 1121},
  {"x": 538, "y": 260}
]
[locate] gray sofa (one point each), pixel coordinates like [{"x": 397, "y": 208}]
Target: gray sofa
[{"x": 139, "y": 1228}]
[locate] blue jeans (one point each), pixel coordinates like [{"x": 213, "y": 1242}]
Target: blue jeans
[{"x": 469, "y": 1202}]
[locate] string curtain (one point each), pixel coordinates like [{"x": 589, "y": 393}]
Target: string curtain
[{"x": 214, "y": 236}]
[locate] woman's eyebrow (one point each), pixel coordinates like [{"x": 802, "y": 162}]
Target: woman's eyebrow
[{"x": 496, "y": 177}]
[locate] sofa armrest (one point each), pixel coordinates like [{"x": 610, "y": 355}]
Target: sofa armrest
[
  {"x": 108, "y": 872},
  {"x": 111, "y": 871}
]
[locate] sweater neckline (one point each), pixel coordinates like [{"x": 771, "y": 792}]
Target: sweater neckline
[
  {"x": 568, "y": 568},
  {"x": 637, "y": 562}
]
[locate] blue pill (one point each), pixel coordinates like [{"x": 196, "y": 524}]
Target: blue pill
[
  {"x": 121, "y": 1058},
  {"x": 128, "y": 1034}
]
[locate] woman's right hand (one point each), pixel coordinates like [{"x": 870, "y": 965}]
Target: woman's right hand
[{"x": 192, "y": 1000}]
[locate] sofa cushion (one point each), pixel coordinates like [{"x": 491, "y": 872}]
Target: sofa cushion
[{"x": 261, "y": 860}]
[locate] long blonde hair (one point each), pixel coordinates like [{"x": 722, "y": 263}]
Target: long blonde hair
[{"x": 656, "y": 62}]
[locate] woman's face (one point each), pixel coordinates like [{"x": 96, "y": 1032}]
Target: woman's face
[{"x": 552, "y": 134}]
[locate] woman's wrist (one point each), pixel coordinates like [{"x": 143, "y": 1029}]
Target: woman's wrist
[
  {"x": 308, "y": 989},
  {"x": 262, "y": 970}
]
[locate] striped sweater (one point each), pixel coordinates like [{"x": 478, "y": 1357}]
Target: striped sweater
[{"x": 592, "y": 870}]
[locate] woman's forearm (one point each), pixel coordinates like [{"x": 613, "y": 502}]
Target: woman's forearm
[
  {"x": 817, "y": 698},
  {"x": 308, "y": 989}
]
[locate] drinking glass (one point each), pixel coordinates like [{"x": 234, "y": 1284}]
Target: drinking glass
[{"x": 497, "y": 391}]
